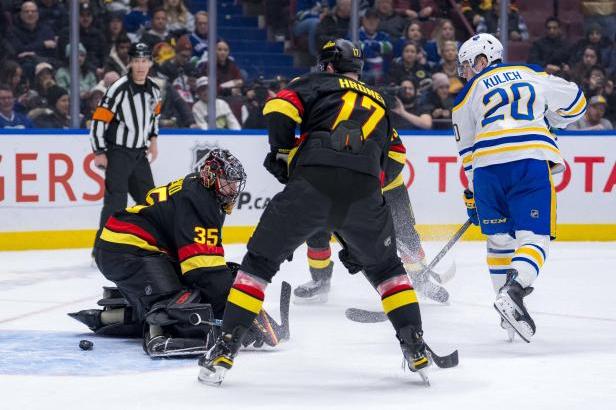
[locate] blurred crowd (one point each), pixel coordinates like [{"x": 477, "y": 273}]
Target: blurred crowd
[{"x": 410, "y": 49}]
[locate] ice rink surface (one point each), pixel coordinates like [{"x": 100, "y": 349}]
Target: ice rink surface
[{"x": 329, "y": 362}]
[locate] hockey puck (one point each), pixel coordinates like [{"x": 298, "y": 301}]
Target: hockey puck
[{"x": 85, "y": 344}]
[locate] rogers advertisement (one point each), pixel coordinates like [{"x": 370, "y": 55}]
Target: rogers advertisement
[{"x": 49, "y": 182}]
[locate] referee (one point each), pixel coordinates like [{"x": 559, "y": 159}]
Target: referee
[{"x": 124, "y": 131}]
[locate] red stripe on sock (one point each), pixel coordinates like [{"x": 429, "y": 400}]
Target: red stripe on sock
[
  {"x": 249, "y": 290},
  {"x": 396, "y": 289},
  {"x": 319, "y": 254}
]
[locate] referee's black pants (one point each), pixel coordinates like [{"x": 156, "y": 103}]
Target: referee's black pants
[{"x": 128, "y": 172}]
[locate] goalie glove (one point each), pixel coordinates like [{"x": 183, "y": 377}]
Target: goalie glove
[
  {"x": 276, "y": 164},
  {"x": 471, "y": 209}
]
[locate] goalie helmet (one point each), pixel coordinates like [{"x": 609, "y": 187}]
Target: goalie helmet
[
  {"x": 343, "y": 55},
  {"x": 480, "y": 44},
  {"x": 220, "y": 171}
]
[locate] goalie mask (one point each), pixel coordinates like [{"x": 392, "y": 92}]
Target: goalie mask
[{"x": 222, "y": 172}]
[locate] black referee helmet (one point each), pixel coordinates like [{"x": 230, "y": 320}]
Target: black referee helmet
[
  {"x": 140, "y": 50},
  {"x": 343, "y": 55}
]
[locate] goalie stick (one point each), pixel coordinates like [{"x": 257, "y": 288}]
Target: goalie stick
[
  {"x": 370, "y": 316},
  {"x": 282, "y": 330}
]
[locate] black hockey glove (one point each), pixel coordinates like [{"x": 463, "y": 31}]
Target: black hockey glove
[
  {"x": 352, "y": 265},
  {"x": 276, "y": 165},
  {"x": 471, "y": 210}
]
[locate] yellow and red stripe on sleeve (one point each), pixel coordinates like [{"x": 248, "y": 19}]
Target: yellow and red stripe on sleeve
[
  {"x": 126, "y": 233},
  {"x": 286, "y": 102},
  {"x": 196, "y": 255}
]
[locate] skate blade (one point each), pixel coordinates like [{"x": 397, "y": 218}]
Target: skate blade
[
  {"x": 424, "y": 377},
  {"x": 510, "y": 332},
  {"x": 505, "y": 307},
  {"x": 212, "y": 378},
  {"x": 313, "y": 300}
]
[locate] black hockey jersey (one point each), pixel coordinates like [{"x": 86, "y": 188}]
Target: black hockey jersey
[
  {"x": 182, "y": 219},
  {"x": 318, "y": 103}
]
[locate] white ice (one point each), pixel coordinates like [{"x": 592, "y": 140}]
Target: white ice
[{"x": 329, "y": 362}]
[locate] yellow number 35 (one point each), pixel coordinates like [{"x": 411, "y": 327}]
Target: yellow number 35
[{"x": 206, "y": 236}]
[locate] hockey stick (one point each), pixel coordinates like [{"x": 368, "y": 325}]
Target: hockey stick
[
  {"x": 281, "y": 330},
  {"x": 444, "y": 362},
  {"x": 369, "y": 316},
  {"x": 456, "y": 236}
]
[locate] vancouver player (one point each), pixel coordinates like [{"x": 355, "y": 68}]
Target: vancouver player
[
  {"x": 167, "y": 259},
  {"x": 502, "y": 120},
  {"x": 333, "y": 184},
  {"x": 407, "y": 240}
]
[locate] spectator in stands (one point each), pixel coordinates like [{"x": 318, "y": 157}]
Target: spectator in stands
[
  {"x": 439, "y": 102},
  {"x": 159, "y": 31},
  {"x": 517, "y": 26},
  {"x": 53, "y": 14},
  {"x": 449, "y": 66},
  {"x": 594, "y": 82},
  {"x": 408, "y": 113},
  {"x": 551, "y": 51},
  {"x": 138, "y": 19},
  {"x": 444, "y": 31},
  {"x": 307, "y": 17},
  {"x": 594, "y": 37},
  {"x": 414, "y": 9},
  {"x": 8, "y": 117},
  {"x": 590, "y": 58},
  {"x": 413, "y": 34},
  {"x": 33, "y": 42},
  {"x": 277, "y": 18},
  {"x": 179, "y": 19},
  {"x": 174, "y": 113},
  {"x": 224, "y": 116},
  {"x": 37, "y": 96},
  {"x": 475, "y": 10},
  {"x": 391, "y": 22},
  {"x": 609, "y": 92},
  {"x": 199, "y": 37},
  {"x": 114, "y": 28},
  {"x": 57, "y": 113},
  {"x": 252, "y": 109},
  {"x": 602, "y": 12},
  {"x": 335, "y": 24},
  {"x": 408, "y": 67},
  {"x": 95, "y": 96},
  {"x": 180, "y": 64},
  {"x": 118, "y": 58},
  {"x": 376, "y": 46},
  {"x": 91, "y": 37},
  {"x": 11, "y": 75},
  {"x": 87, "y": 79},
  {"x": 593, "y": 119},
  {"x": 228, "y": 75}
]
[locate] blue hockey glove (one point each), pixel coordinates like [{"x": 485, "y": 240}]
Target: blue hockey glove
[{"x": 471, "y": 210}]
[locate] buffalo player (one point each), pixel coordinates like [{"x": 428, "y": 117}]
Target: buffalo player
[{"x": 501, "y": 121}]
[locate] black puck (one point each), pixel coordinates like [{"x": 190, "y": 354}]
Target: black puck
[{"x": 85, "y": 344}]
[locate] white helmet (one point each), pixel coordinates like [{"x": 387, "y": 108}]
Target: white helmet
[{"x": 483, "y": 43}]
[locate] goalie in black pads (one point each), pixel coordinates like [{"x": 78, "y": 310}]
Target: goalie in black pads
[
  {"x": 333, "y": 173},
  {"x": 167, "y": 259}
]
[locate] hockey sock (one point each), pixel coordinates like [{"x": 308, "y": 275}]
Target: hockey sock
[
  {"x": 320, "y": 263},
  {"x": 530, "y": 256},
  {"x": 501, "y": 248},
  {"x": 400, "y": 302},
  {"x": 244, "y": 302}
]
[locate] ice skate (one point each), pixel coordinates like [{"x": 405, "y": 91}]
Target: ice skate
[
  {"x": 312, "y": 292},
  {"x": 510, "y": 305},
  {"x": 214, "y": 365},
  {"x": 415, "y": 352}
]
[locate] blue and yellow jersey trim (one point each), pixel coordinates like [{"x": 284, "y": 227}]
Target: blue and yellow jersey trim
[
  {"x": 466, "y": 92},
  {"x": 505, "y": 141},
  {"x": 577, "y": 107}
]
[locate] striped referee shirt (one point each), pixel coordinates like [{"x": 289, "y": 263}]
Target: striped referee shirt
[{"x": 127, "y": 115}]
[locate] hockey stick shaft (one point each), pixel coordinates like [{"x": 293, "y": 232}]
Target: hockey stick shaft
[{"x": 456, "y": 236}]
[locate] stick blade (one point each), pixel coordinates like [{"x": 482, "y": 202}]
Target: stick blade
[{"x": 365, "y": 316}]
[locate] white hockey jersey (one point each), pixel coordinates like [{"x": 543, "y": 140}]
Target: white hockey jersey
[{"x": 503, "y": 114}]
